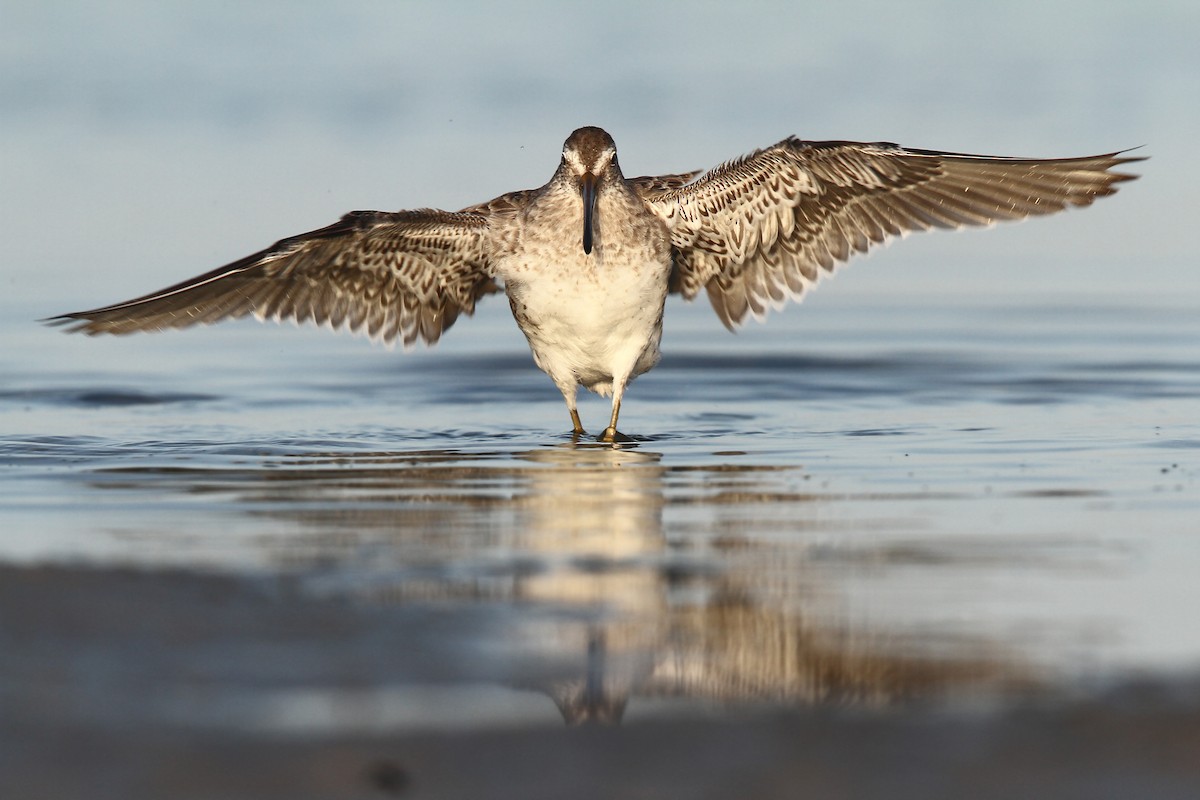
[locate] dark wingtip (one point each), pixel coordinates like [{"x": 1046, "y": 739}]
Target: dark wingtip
[
  {"x": 72, "y": 323},
  {"x": 59, "y": 321}
]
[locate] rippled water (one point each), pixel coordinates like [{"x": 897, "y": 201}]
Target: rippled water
[
  {"x": 961, "y": 475},
  {"x": 862, "y": 503}
]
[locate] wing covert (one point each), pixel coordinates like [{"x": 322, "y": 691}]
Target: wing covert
[
  {"x": 400, "y": 275},
  {"x": 758, "y": 231}
]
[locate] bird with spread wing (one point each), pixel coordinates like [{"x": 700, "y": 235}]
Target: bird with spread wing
[{"x": 588, "y": 260}]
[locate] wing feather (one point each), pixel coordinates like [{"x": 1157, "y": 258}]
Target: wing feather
[
  {"x": 404, "y": 275},
  {"x": 757, "y": 231},
  {"x": 650, "y": 186}
]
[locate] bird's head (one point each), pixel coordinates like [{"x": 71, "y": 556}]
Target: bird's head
[{"x": 589, "y": 154}]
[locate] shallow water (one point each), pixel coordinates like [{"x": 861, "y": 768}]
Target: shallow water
[
  {"x": 864, "y": 503},
  {"x": 266, "y": 562}
]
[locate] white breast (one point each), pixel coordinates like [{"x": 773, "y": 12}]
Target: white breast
[{"x": 592, "y": 318}]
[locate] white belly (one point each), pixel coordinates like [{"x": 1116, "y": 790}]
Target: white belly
[
  {"x": 591, "y": 328},
  {"x": 596, "y": 319}
]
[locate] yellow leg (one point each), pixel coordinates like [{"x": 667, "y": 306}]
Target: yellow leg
[
  {"x": 577, "y": 425},
  {"x": 610, "y": 433}
]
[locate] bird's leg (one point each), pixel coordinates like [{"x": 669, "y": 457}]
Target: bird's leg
[
  {"x": 575, "y": 423},
  {"x": 611, "y": 434},
  {"x": 568, "y": 389}
]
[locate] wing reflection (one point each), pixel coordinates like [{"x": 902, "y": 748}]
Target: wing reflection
[{"x": 621, "y": 577}]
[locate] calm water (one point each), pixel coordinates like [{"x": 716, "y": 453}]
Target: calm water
[
  {"x": 964, "y": 472},
  {"x": 861, "y": 503}
]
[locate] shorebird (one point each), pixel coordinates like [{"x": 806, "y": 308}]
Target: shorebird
[{"x": 588, "y": 260}]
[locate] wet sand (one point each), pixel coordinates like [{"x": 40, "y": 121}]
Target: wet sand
[{"x": 106, "y": 675}]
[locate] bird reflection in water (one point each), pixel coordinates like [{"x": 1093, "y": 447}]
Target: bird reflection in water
[{"x": 628, "y": 581}]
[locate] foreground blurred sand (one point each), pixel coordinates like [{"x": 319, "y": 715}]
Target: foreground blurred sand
[{"x": 87, "y": 657}]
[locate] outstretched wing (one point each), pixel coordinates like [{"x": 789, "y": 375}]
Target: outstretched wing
[
  {"x": 758, "y": 231},
  {"x": 402, "y": 275},
  {"x": 649, "y": 186}
]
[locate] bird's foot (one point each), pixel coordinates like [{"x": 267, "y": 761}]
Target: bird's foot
[{"x": 613, "y": 436}]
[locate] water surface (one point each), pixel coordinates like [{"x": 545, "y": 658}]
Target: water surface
[
  {"x": 962, "y": 475},
  {"x": 873, "y": 505}
]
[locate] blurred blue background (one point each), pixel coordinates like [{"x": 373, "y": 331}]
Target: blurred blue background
[{"x": 144, "y": 142}]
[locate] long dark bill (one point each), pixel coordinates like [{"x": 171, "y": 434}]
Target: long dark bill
[{"x": 588, "y": 190}]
